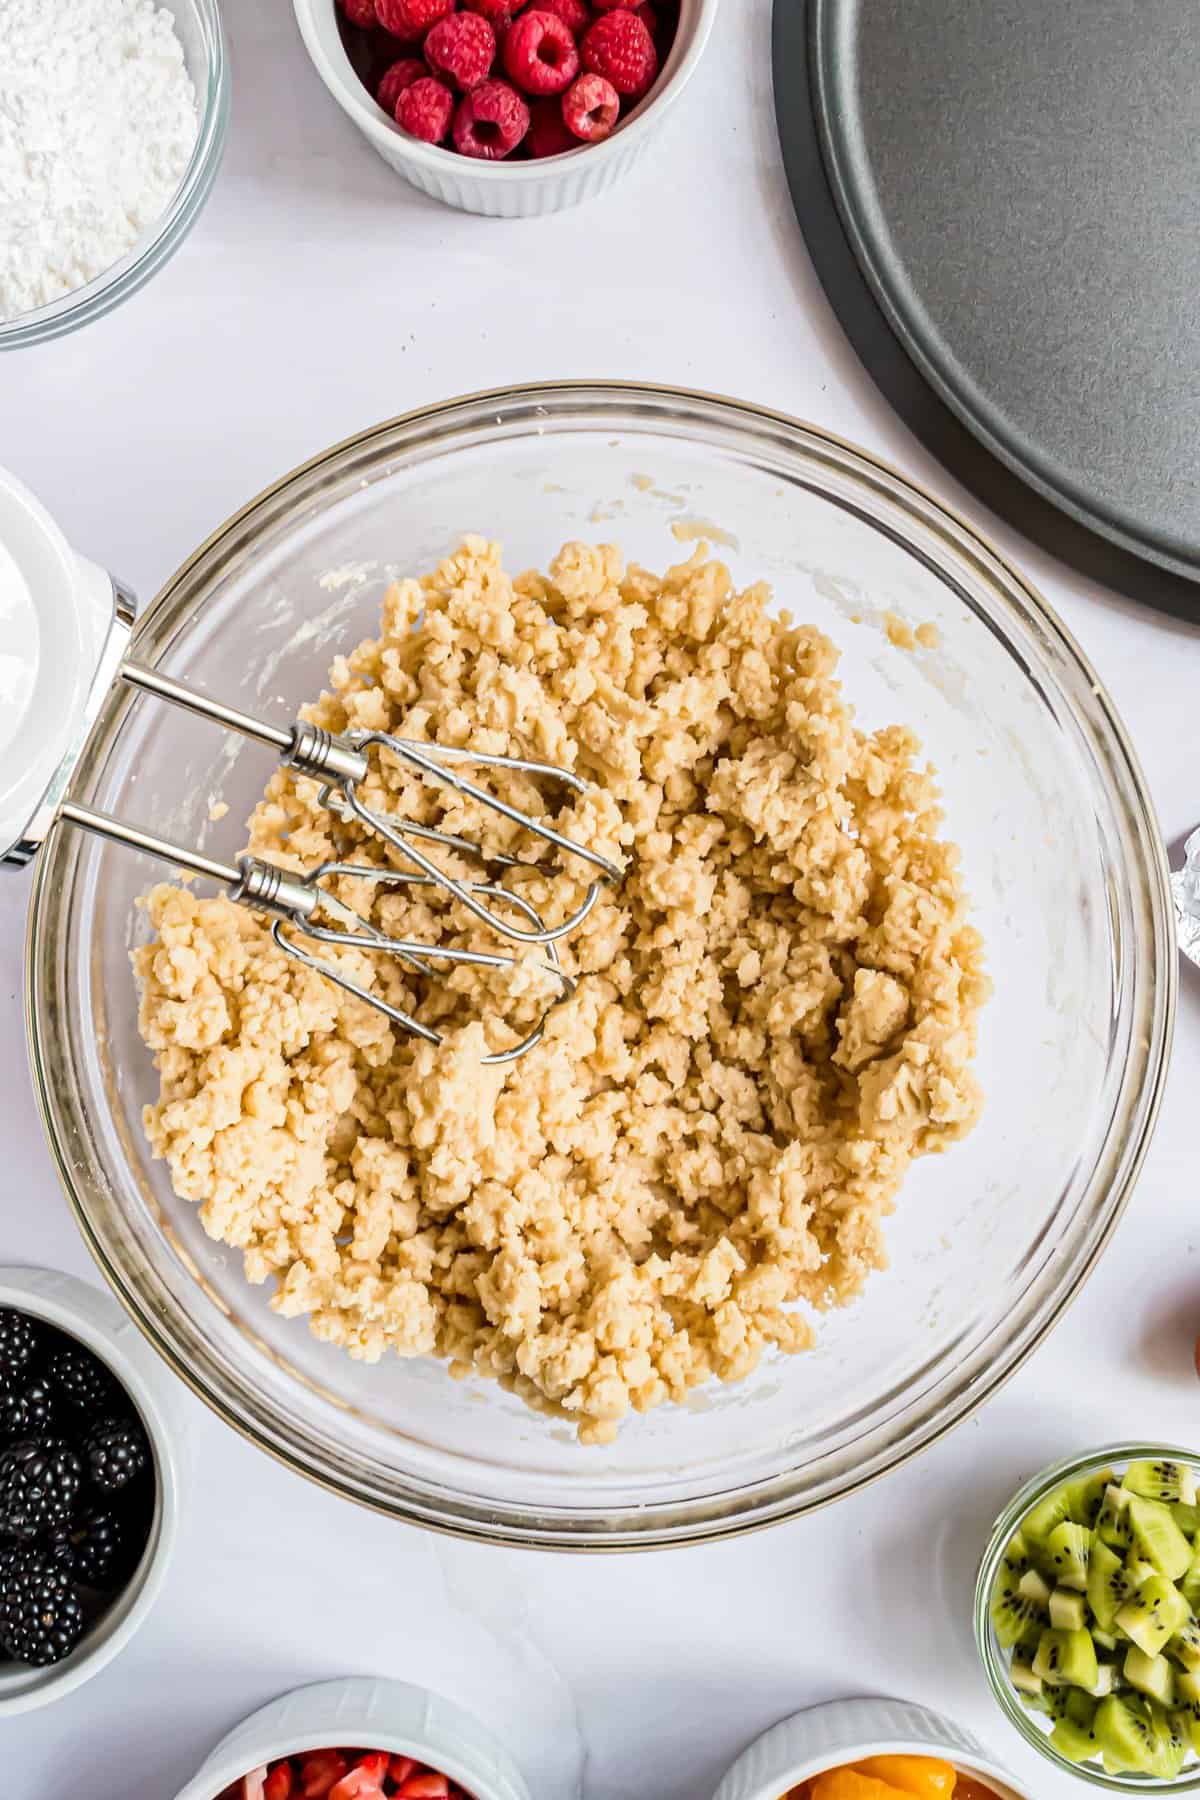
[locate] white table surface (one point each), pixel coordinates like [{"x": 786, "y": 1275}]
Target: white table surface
[{"x": 316, "y": 295}]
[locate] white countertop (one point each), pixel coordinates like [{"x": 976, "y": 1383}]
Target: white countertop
[{"x": 316, "y": 295}]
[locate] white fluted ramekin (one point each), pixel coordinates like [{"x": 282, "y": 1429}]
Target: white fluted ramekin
[
  {"x": 370, "y": 1715},
  {"x": 844, "y": 1731},
  {"x": 95, "y": 1320},
  {"x": 505, "y": 190}
]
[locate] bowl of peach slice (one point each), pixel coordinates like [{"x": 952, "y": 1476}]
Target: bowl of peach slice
[
  {"x": 866, "y": 1749},
  {"x": 891, "y": 1778}
]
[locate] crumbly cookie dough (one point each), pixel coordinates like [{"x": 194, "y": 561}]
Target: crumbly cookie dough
[{"x": 776, "y": 1011}]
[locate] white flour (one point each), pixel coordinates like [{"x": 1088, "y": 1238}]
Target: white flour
[{"x": 97, "y": 123}]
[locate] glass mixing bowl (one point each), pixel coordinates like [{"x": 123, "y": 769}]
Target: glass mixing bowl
[
  {"x": 198, "y": 24},
  {"x": 1061, "y": 850}
]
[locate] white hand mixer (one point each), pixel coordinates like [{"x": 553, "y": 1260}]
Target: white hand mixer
[{"x": 301, "y": 906}]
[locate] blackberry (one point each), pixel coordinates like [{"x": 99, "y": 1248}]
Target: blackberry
[
  {"x": 97, "y": 1546},
  {"x": 82, "y": 1380},
  {"x": 20, "y": 1341},
  {"x": 41, "y": 1615},
  {"x": 39, "y": 1480},
  {"x": 28, "y": 1409},
  {"x": 116, "y": 1452}
]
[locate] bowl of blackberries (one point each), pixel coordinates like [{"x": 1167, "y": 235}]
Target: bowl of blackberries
[{"x": 87, "y": 1486}]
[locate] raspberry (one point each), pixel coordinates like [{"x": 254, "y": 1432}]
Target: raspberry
[
  {"x": 425, "y": 110},
  {"x": 498, "y": 11},
  {"x": 650, "y": 19},
  {"x": 548, "y": 132},
  {"x": 573, "y": 13},
  {"x": 619, "y": 47},
  {"x": 540, "y": 53},
  {"x": 590, "y": 108},
  {"x": 463, "y": 48},
  {"x": 394, "y": 80},
  {"x": 360, "y": 12},
  {"x": 411, "y": 19},
  {"x": 490, "y": 121}
]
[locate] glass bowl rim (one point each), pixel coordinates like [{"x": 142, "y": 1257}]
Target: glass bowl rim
[
  {"x": 992, "y": 1656},
  {"x": 733, "y": 1510},
  {"x": 116, "y": 284}
]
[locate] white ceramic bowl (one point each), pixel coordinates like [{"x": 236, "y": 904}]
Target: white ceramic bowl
[
  {"x": 372, "y": 1715},
  {"x": 95, "y": 1319},
  {"x": 844, "y": 1731},
  {"x": 505, "y": 190}
]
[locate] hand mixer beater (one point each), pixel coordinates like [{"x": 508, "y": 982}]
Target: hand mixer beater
[{"x": 303, "y": 906}]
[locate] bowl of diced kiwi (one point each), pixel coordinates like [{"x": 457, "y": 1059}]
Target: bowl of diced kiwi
[{"x": 1087, "y": 1616}]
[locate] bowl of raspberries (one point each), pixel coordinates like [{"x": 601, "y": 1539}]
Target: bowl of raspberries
[
  {"x": 358, "y": 1739},
  {"x": 87, "y": 1484},
  {"x": 507, "y": 107}
]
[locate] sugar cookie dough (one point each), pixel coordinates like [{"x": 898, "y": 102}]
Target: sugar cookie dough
[{"x": 776, "y": 1011}]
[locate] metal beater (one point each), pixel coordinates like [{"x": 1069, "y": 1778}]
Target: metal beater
[{"x": 301, "y": 904}]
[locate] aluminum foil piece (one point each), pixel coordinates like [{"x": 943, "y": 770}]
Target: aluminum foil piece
[{"x": 1185, "y": 886}]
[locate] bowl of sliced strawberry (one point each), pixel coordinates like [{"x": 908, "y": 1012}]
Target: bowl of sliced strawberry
[
  {"x": 507, "y": 107},
  {"x": 359, "y": 1739},
  {"x": 345, "y": 1774}
]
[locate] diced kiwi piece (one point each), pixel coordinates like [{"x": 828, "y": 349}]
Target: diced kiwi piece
[
  {"x": 1015, "y": 1619},
  {"x": 1068, "y": 1610},
  {"x": 1138, "y": 1569},
  {"x": 1187, "y": 1688},
  {"x": 1185, "y": 1723},
  {"x": 1104, "y": 1640},
  {"x": 1108, "y": 1586},
  {"x": 1041, "y": 1519},
  {"x": 1086, "y": 1496},
  {"x": 1163, "y": 1480},
  {"x": 1079, "y": 1707},
  {"x": 1024, "y": 1676},
  {"x": 1170, "y": 1744},
  {"x": 1066, "y": 1659},
  {"x": 1189, "y": 1583},
  {"x": 1151, "y": 1675},
  {"x": 1157, "y": 1538},
  {"x": 1067, "y": 1549},
  {"x": 1187, "y": 1518},
  {"x": 1185, "y": 1645},
  {"x": 1123, "y": 1732},
  {"x": 1105, "y": 1682},
  {"x": 1153, "y": 1615},
  {"x": 1112, "y": 1521},
  {"x": 1035, "y": 1587},
  {"x": 1076, "y": 1742},
  {"x": 1054, "y": 1702},
  {"x": 1187, "y": 1714}
]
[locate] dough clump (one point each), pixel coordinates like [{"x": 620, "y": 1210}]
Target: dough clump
[{"x": 776, "y": 1010}]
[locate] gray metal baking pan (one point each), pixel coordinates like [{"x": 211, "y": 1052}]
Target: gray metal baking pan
[{"x": 1020, "y": 187}]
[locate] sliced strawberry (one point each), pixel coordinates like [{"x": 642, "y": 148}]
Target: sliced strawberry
[
  {"x": 424, "y": 1787},
  {"x": 364, "y": 1781},
  {"x": 402, "y": 1767},
  {"x": 319, "y": 1772},
  {"x": 280, "y": 1783}
]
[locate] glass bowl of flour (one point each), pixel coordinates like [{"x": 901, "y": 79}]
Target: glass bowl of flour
[{"x": 113, "y": 116}]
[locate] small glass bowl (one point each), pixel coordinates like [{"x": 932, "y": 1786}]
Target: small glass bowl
[
  {"x": 1035, "y": 1727},
  {"x": 198, "y": 23}
]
